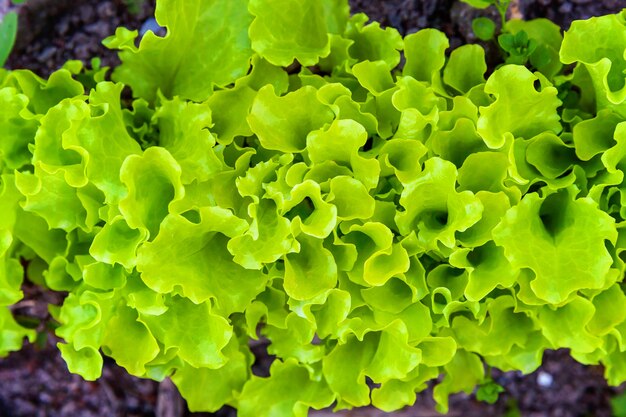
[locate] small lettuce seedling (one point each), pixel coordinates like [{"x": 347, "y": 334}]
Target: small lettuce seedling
[{"x": 501, "y": 6}]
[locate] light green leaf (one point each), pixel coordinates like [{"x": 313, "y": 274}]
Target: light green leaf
[
  {"x": 183, "y": 131},
  {"x": 103, "y": 276},
  {"x": 339, "y": 98},
  {"x": 381, "y": 355},
  {"x": 340, "y": 143},
  {"x": 229, "y": 107},
  {"x": 379, "y": 258},
  {"x": 153, "y": 181},
  {"x": 403, "y": 157},
  {"x": 308, "y": 211},
  {"x": 282, "y": 123},
  {"x": 595, "y": 136},
  {"x": 11, "y": 272},
  {"x": 425, "y": 55},
  {"x": 433, "y": 207},
  {"x": 268, "y": 238},
  {"x": 12, "y": 334},
  {"x": 396, "y": 394},
  {"x": 610, "y": 310},
  {"x": 466, "y": 68},
  {"x": 116, "y": 242},
  {"x": 373, "y": 43},
  {"x": 569, "y": 233},
  {"x": 44, "y": 94},
  {"x": 193, "y": 330},
  {"x": 129, "y": 342},
  {"x": 412, "y": 94},
  {"x": 207, "y": 389},
  {"x": 191, "y": 259},
  {"x": 566, "y": 326},
  {"x": 373, "y": 76},
  {"x": 438, "y": 351},
  {"x": 550, "y": 155},
  {"x": 311, "y": 271},
  {"x": 459, "y": 144},
  {"x": 351, "y": 199},
  {"x": 206, "y": 45},
  {"x": 462, "y": 374},
  {"x": 498, "y": 333},
  {"x": 286, "y": 30},
  {"x": 479, "y": 4},
  {"x": 488, "y": 269},
  {"x": 598, "y": 43},
  {"x": 295, "y": 339},
  {"x": 100, "y": 137},
  {"x": 278, "y": 395},
  {"x": 17, "y": 127},
  {"x": 516, "y": 93},
  {"x": 45, "y": 193},
  {"x": 86, "y": 362}
]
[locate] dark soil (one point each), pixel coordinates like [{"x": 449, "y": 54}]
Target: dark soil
[
  {"x": 35, "y": 381},
  {"x": 54, "y": 31}
]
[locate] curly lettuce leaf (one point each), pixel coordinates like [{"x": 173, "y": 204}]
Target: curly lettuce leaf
[
  {"x": 466, "y": 68},
  {"x": 569, "y": 233},
  {"x": 433, "y": 207},
  {"x": 116, "y": 242},
  {"x": 206, "y": 45},
  {"x": 12, "y": 335},
  {"x": 191, "y": 259},
  {"x": 381, "y": 355},
  {"x": 46, "y": 192},
  {"x": 278, "y": 395},
  {"x": 340, "y": 143},
  {"x": 198, "y": 342},
  {"x": 378, "y": 258},
  {"x": 598, "y": 43},
  {"x": 209, "y": 389},
  {"x": 425, "y": 55},
  {"x": 87, "y": 141},
  {"x": 518, "y": 91},
  {"x": 267, "y": 240},
  {"x": 153, "y": 181},
  {"x": 44, "y": 94},
  {"x": 124, "y": 329},
  {"x": 371, "y": 42},
  {"x": 285, "y": 31},
  {"x": 17, "y": 127},
  {"x": 282, "y": 123},
  {"x": 311, "y": 271},
  {"x": 183, "y": 131}
]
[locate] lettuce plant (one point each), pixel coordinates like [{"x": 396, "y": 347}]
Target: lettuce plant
[
  {"x": 8, "y": 32},
  {"x": 372, "y": 222}
]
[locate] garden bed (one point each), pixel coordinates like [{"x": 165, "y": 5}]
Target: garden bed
[{"x": 35, "y": 380}]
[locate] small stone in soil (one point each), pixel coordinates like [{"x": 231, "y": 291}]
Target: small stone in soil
[
  {"x": 544, "y": 379},
  {"x": 150, "y": 24},
  {"x": 99, "y": 29},
  {"x": 46, "y": 54}
]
